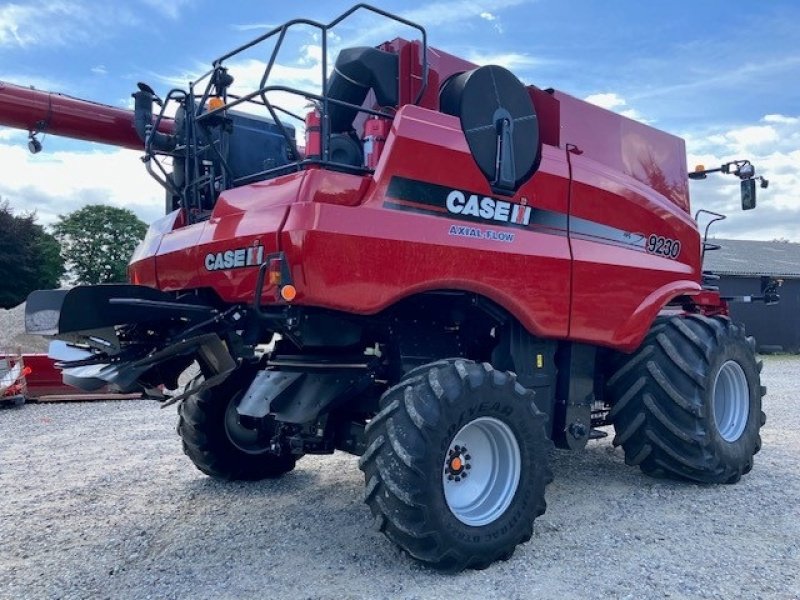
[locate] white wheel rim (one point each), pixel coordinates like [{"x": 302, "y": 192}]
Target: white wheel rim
[
  {"x": 731, "y": 401},
  {"x": 481, "y": 471}
]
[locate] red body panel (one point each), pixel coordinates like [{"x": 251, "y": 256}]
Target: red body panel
[
  {"x": 580, "y": 270},
  {"x": 633, "y": 178},
  {"x": 58, "y": 114},
  {"x": 349, "y": 252}
]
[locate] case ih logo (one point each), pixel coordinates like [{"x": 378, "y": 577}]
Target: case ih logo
[
  {"x": 251, "y": 256},
  {"x": 432, "y": 199},
  {"x": 440, "y": 201},
  {"x": 487, "y": 208}
]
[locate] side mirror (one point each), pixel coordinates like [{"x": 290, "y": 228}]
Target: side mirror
[{"x": 748, "y": 194}]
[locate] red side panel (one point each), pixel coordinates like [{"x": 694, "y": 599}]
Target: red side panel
[
  {"x": 651, "y": 157},
  {"x": 590, "y": 257},
  {"x": 245, "y": 219},
  {"x": 635, "y": 245},
  {"x": 44, "y": 379},
  {"x": 365, "y": 258}
]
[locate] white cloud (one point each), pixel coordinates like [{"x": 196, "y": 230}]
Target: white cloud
[
  {"x": 35, "y": 81},
  {"x": 263, "y": 27},
  {"x": 493, "y": 19},
  {"x": 615, "y": 102},
  {"x": 54, "y": 183},
  {"x": 780, "y": 119},
  {"x": 510, "y": 60},
  {"x": 168, "y": 8},
  {"x": 18, "y": 22},
  {"x": 773, "y": 146},
  {"x": 99, "y": 70},
  {"x": 609, "y": 100},
  {"x": 446, "y": 13},
  {"x": 59, "y": 22}
]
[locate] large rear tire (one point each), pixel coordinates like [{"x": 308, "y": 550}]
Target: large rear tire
[
  {"x": 687, "y": 404},
  {"x": 218, "y": 443},
  {"x": 456, "y": 465}
]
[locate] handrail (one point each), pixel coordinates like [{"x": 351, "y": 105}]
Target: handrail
[
  {"x": 195, "y": 140},
  {"x": 323, "y": 98}
]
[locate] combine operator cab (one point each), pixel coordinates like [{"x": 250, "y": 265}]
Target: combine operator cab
[{"x": 225, "y": 139}]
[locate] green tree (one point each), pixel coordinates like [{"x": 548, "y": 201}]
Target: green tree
[
  {"x": 97, "y": 242},
  {"x": 30, "y": 258}
]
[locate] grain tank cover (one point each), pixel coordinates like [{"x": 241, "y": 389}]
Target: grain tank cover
[{"x": 499, "y": 122}]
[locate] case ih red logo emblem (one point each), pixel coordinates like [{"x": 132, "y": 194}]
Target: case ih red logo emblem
[{"x": 252, "y": 256}]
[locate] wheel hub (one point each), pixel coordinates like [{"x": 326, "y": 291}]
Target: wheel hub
[
  {"x": 248, "y": 437},
  {"x": 481, "y": 471},
  {"x": 458, "y": 463}
]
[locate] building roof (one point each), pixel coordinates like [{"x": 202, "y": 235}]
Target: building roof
[{"x": 749, "y": 257}]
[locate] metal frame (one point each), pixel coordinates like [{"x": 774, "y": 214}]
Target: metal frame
[{"x": 213, "y": 83}]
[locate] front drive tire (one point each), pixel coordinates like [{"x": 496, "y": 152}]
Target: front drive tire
[
  {"x": 687, "y": 404},
  {"x": 450, "y": 506},
  {"x": 208, "y": 424}
]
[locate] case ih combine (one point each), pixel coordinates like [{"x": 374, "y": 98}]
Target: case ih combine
[{"x": 456, "y": 272}]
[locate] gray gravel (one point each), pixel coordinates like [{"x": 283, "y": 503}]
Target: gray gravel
[{"x": 98, "y": 501}]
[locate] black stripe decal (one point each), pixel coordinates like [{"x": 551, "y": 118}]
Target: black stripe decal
[{"x": 420, "y": 193}]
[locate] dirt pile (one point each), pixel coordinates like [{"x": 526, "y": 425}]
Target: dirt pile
[{"x": 12, "y": 333}]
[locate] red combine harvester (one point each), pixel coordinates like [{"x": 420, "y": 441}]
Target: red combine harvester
[{"x": 456, "y": 272}]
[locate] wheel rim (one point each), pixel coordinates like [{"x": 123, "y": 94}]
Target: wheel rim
[
  {"x": 481, "y": 471},
  {"x": 247, "y": 439},
  {"x": 731, "y": 401}
]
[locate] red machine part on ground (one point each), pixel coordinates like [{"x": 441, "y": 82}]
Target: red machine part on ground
[{"x": 41, "y": 380}]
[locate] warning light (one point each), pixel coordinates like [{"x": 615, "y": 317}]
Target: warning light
[
  {"x": 288, "y": 292},
  {"x": 275, "y": 271},
  {"x": 699, "y": 168},
  {"x": 215, "y": 102}
]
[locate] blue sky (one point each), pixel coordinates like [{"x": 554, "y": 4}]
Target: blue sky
[{"x": 724, "y": 75}]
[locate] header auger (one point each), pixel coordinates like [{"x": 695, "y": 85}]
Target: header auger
[{"x": 453, "y": 272}]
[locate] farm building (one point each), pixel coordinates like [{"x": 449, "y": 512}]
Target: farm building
[{"x": 740, "y": 265}]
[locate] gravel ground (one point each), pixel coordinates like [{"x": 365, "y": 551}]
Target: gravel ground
[{"x": 98, "y": 501}]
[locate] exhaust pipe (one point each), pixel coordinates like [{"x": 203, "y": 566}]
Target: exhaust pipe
[{"x": 143, "y": 120}]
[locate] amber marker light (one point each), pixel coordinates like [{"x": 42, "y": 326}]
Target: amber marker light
[
  {"x": 215, "y": 102},
  {"x": 275, "y": 271},
  {"x": 288, "y": 292}
]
